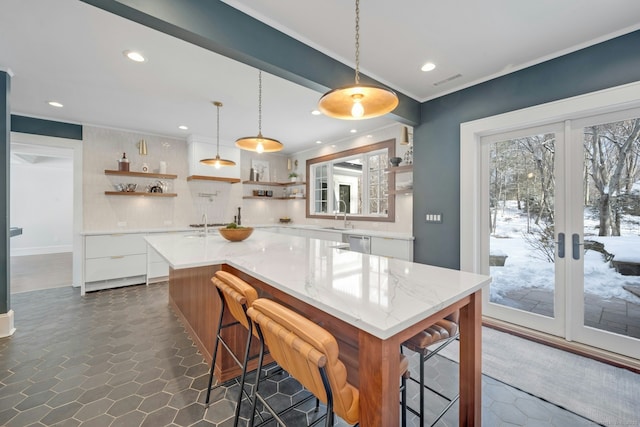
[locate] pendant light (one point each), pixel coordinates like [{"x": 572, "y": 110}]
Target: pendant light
[
  {"x": 217, "y": 162},
  {"x": 357, "y": 102},
  {"x": 259, "y": 143}
]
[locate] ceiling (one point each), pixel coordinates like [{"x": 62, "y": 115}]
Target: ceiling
[{"x": 71, "y": 52}]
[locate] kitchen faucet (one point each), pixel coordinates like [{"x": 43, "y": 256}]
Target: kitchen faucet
[
  {"x": 345, "y": 212},
  {"x": 204, "y": 220}
]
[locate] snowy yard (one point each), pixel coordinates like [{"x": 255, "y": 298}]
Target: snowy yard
[{"x": 525, "y": 268}]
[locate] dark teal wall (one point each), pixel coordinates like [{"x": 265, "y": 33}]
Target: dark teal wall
[
  {"x": 436, "y": 171},
  {"x": 35, "y": 126},
  {"x": 5, "y": 126}
]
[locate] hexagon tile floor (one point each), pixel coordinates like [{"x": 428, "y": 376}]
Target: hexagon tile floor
[{"x": 121, "y": 358}]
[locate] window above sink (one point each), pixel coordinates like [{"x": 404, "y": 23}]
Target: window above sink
[{"x": 353, "y": 183}]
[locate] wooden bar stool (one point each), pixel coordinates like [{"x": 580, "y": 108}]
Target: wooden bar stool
[
  {"x": 310, "y": 354},
  {"x": 443, "y": 332},
  {"x": 236, "y": 296}
]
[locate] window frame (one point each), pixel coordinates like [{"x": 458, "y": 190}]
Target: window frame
[{"x": 389, "y": 145}]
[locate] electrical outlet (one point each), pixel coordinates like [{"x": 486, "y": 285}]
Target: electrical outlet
[
  {"x": 168, "y": 222},
  {"x": 122, "y": 223},
  {"x": 433, "y": 218}
]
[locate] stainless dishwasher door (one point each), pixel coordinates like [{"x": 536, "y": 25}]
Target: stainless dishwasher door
[{"x": 360, "y": 244}]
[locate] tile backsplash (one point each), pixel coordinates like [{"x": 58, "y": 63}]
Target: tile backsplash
[{"x": 101, "y": 150}]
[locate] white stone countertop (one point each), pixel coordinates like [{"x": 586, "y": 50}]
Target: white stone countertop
[
  {"x": 351, "y": 231},
  {"x": 137, "y": 231},
  {"x": 341, "y": 230},
  {"x": 380, "y": 295}
]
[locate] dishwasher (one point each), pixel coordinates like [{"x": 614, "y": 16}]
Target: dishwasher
[{"x": 360, "y": 244}]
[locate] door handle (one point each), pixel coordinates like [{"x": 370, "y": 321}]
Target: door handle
[
  {"x": 576, "y": 245},
  {"x": 560, "y": 243}
]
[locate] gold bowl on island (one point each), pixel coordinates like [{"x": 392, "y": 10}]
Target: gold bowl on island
[{"x": 236, "y": 234}]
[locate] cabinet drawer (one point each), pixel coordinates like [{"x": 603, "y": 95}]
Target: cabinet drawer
[
  {"x": 114, "y": 245},
  {"x": 394, "y": 248},
  {"x": 115, "y": 267}
]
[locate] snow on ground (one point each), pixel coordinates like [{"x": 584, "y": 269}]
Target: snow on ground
[{"x": 525, "y": 268}]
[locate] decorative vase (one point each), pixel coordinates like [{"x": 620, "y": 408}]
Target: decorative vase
[
  {"x": 395, "y": 161},
  {"x": 408, "y": 155}
]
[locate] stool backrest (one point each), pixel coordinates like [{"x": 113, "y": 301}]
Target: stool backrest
[
  {"x": 236, "y": 293},
  {"x": 301, "y": 348},
  {"x": 454, "y": 317}
]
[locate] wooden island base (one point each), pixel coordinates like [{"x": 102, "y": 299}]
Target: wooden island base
[{"x": 374, "y": 370}]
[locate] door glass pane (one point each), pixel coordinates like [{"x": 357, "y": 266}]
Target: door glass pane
[
  {"x": 611, "y": 197},
  {"x": 522, "y": 248}
]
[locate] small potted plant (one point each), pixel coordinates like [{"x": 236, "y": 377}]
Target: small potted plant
[{"x": 293, "y": 176}]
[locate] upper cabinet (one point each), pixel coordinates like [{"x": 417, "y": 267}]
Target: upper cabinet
[{"x": 199, "y": 147}]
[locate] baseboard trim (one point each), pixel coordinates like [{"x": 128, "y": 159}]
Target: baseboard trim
[
  {"x": 6, "y": 324},
  {"x": 41, "y": 250},
  {"x": 600, "y": 355}
]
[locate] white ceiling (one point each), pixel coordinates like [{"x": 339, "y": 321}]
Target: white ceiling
[{"x": 69, "y": 51}]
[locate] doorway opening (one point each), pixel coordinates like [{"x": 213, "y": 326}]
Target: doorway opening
[{"x": 44, "y": 204}]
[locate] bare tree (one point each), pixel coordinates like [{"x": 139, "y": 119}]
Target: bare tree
[{"x": 610, "y": 149}]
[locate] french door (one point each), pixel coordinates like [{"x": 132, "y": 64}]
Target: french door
[{"x": 561, "y": 214}]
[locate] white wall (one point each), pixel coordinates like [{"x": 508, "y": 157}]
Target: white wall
[
  {"x": 102, "y": 149},
  {"x": 41, "y": 204}
]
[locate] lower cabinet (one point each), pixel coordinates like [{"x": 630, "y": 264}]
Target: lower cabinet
[
  {"x": 392, "y": 248},
  {"x": 113, "y": 260}
]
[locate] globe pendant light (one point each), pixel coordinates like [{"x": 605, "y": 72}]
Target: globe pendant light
[
  {"x": 217, "y": 162},
  {"x": 356, "y": 102},
  {"x": 259, "y": 143}
]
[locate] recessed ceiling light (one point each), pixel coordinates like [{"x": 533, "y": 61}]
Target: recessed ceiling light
[
  {"x": 55, "y": 104},
  {"x": 183, "y": 127},
  {"x": 333, "y": 145},
  {"x": 369, "y": 136},
  {"x": 429, "y": 66},
  {"x": 318, "y": 142},
  {"x": 353, "y": 130},
  {"x": 134, "y": 56},
  {"x": 316, "y": 112}
]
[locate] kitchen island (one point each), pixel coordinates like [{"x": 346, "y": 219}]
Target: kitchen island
[{"x": 370, "y": 303}]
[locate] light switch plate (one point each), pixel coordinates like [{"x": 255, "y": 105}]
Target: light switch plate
[{"x": 433, "y": 218}]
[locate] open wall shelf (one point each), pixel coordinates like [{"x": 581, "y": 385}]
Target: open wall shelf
[
  {"x": 213, "y": 178},
  {"x": 139, "y": 193},
  {"x": 141, "y": 174}
]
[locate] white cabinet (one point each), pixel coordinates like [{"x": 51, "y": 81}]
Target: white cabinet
[
  {"x": 113, "y": 260},
  {"x": 157, "y": 267},
  {"x": 393, "y": 248}
]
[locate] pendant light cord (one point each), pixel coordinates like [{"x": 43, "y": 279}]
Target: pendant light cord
[
  {"x": 218, "y": 131},
  {"x": 260, "y": 103},
  {"x": 357, "y": 42}
]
